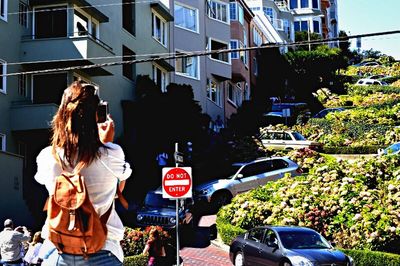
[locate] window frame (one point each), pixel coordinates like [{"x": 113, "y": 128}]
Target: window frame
[
  {"x": 3, "y": 145},
  {"x": 196, "y": 10},
  {"x": 210, "y": 40},
  {"x": 23, "y": 85},
  {"x": 23, "y": 14},
  {"x": 132, "y": 68},
  {"x": 218, "y": 4},
  {"x": 163, "y": 29},
  {"x": 164, "y": 77},
  {"x": 234, "y": 55},
  {"x": 3, "y": 79},
  {"x": 55, "y": 6},
  {"x": 184, "y": 74},
  {"x": 216, "y": 96},
  {"x": 93, "y": 26},
  {"x": 4, "y": 10}
]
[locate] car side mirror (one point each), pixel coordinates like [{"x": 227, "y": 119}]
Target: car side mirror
[
  {"x": 272, "y": 244},
  {"x": 239, "y": 176}
]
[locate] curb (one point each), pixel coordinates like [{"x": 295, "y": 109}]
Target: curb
[{"x": 219, "y": 244}]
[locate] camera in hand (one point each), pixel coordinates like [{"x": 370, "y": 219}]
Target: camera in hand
[{"x": 102, "y": 112}]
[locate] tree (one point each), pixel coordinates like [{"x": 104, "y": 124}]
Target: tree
[{"x": 302, "y": 36}]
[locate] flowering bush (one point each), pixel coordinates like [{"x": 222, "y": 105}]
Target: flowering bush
[
  {"x": 135, "y": 239},
  {"x": 354, "y": 205}
]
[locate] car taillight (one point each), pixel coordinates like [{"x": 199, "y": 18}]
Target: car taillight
[{"x": 299, "y": 170}]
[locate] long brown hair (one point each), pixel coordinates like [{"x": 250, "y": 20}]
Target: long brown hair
[{"x": 74, "y": 125}]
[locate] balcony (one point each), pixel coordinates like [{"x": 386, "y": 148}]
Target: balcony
[
  {"x": 31, "y": 116},
  {"x": 282, "y": 5},
  {"x": 64, "y": 52}
]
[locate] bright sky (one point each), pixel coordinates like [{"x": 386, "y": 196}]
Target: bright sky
[{"x": 368, "y": 16}]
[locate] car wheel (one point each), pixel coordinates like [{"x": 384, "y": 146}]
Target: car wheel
[
  {"x": 239, "y": 259},
  {"x": 220, "y": 199},
  {"x": 286, "y": 263}
]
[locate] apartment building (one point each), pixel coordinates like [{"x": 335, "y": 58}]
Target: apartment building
[
  {"x": 200, "y": 26},
  {"x": 307, "y": 15},
  {"x": 50, "y": 44}
]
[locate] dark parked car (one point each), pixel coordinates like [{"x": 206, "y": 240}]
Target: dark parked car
[
  {"x": 285, "y": 246},
  {"x": 161, "y": 211},
  {"x": 324, "y": 112}
]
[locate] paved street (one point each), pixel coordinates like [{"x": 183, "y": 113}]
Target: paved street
[{"x": 206, "y": 252}]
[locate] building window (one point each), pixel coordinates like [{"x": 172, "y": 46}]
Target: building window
[
  {"x": 85, "y": 25},
  {"x": 214, "y": 92},
  {"x": 255, "y": 66},
  {"x": 187, "y": 66},
  {"x": 304, "y": 4},
  {"x": 129, "y": 16},
  {"x": 234, "y": 45},
  {"x": 3, "y": 79},
  {"x": 3, "y": 10},
  {"x": 50, "y": 22},
  {"x": 293, "y": 4},
  {"x": 128, "y": 70},
  {"x": 246, "y": 93},
  {"x": 2, "y": 142},
  {"x": 257, "y": 37},
  {"x": 160, "y": 77},
  {"x": 269, "y": 13},
  {"x": 40, "y": 84},
  {"x": 316, "y": 26},
  {"x": 22, "y": 85},
  {"x": 232, "y": 11},
  {"x": 243, "y": 54},
  {"x": 215, "y": 46},
  {"x": 23, "y": 14},
  {"x": 234, "y": 94},
  {"x": 186, "y": 17},
  {"x": 217, "y": 10},
  {"x": 159, "y": 29},
  {"x": 315, "y": 4},
  {"x": 286, "y": 27}
]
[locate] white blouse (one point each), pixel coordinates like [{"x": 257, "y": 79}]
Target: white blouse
[{"x": 101, "y": 178}]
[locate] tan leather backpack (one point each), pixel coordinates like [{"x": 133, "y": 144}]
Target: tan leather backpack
[{"x": 74, "y": 226}]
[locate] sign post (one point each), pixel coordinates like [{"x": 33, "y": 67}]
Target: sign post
[{"x": 177, "y": 184}]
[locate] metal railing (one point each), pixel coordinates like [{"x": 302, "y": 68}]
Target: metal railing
[{"x": 69, "y": 35}]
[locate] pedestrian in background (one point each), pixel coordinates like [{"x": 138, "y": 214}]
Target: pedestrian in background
[
  {"x": 31, "y": 257},
  {"x": 81, "y": 144},
  {"x": 155, "y": 249},
  {"x": 11, "y": 243}
]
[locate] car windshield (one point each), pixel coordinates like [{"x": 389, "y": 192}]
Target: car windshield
[
  {"x": 393, "y": 148},
  {"x": 303, "y": 240},
  {"x": 232, "y": 170},
  {"x": 156, "y": 200},
  {"x": 298, "y": 136}
]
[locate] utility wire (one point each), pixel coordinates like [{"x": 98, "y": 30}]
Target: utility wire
[{"x": 155, "y": 58}]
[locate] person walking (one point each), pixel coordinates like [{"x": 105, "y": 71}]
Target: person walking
[
  {"x": 155, "y": 249},
  {"x": 11, "y": 243},
  {"x": 81, "y": 144},
  {"x": 31, "y": 257}
]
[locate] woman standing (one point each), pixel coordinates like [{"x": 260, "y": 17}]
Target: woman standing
[{"x": 81, "y": 144}]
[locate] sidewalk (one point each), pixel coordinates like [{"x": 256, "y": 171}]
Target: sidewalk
[{"x": 216, "y": 254}]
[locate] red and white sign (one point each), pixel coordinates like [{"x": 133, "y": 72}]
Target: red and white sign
[{"x": 177, "y": 182}]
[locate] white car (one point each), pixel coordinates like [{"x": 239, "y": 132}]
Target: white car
[
  {"x": 287, "y": 140},
  {"x": 367, "y": 82},
  {"x": 243, "y": 177}
]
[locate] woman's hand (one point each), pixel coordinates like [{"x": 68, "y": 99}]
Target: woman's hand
[{"x": 106, "y": 130}]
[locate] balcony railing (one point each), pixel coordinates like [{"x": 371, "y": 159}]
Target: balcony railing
[
  {"x": 282, "y": 5},
  {"x": 70, "y": 35}
]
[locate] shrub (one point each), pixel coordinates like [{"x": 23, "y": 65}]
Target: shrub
[
  {"x": 354, "y": 205},
  {"x": 136, "y": 260},
  {"x": 372, "y": 258},
  {"x": 352, "y": 150}
]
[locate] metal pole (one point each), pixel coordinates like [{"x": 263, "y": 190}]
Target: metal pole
[
  {"x": 308, "y": 34},
  {"x": 177, "y": 215}
]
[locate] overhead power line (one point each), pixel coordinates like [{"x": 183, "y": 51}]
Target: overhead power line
[{"x": 156, "y": 57}]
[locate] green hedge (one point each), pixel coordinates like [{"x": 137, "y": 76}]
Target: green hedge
[
  {"x": 353, "y": 89},
  {"x": 352, "y": 150},
  {"x": 373, "y": 258},
  {"x": 228, "y": 232},
  {"x": 136, "y": 260}
]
